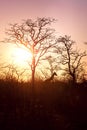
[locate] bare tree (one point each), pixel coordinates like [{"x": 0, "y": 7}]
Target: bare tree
[
  {"x": 36, "y": 36},
  {"x": 12, "y": 72},
  {"x": 71, "y": 57},
  {"x": 52, "y": 66}
]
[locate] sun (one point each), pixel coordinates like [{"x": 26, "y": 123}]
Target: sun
[{"x": 21, "y": 56}]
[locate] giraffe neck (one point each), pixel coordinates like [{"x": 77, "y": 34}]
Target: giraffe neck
[{"x": 51, "y": 78}]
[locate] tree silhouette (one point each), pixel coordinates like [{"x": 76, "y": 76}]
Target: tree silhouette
[
  {"x": 51, "y": 67},
  {"x": 11, "y": 72},
  {"x": 36, "y": 36},
  {"x": 71, "y": 57}
]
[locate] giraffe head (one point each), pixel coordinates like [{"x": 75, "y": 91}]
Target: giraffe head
[{"x": 55, "y": 73}]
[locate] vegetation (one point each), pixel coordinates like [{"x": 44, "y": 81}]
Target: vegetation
[
  {"x": 39, "y": 39},
  {"x": 57, "y": 105},
  {"x": 54, "y": 104},
  {"x": 71, "y": 58},
  {"x": 36, "y": 36}
]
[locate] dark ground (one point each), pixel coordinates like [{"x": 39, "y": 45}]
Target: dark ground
[{"x": 56, "y": 106}]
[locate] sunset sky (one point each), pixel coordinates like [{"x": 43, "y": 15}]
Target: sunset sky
[{"x": 71, "y": 16}]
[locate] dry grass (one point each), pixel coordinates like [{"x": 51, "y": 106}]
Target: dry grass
[{"x": 54, "y": 106}]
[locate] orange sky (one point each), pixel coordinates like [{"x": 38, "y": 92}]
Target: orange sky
[{"x": 71, "y": 15}]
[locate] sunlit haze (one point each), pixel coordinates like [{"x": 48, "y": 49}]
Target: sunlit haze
[{"x": 21, "y": 56}]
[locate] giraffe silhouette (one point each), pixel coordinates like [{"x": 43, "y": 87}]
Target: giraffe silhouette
[{"x": 51, "y": 78}]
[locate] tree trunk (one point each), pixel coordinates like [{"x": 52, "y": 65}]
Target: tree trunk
[
  {"x": 73, "y": 75},
  {"x": 33, "y": 72},
  {"x": 33, "y": 77},
  {"x": 33, "y": 85},
  {"x": 33, "y": 67},
  {"x": 74, "y": 79}
]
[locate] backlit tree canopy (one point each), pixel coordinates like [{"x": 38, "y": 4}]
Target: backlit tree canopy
[{"x": 36, "y": 36}]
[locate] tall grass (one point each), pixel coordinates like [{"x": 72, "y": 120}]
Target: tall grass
[{"x": 57, "y": 105}]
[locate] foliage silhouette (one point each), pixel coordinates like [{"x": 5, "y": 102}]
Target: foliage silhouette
[
  {"x": 71, "y": 58},
  {"x": 36, "y": 36},
  {"x": 57, "y": 106}
]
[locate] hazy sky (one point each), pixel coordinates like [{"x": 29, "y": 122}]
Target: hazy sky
[{"x": 71, "y": 15}]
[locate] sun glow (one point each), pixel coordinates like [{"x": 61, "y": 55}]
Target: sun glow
[{"x": 21, "y": 56}]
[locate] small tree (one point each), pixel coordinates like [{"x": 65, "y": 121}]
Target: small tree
[
  {"x": 70, "y": 57},
  {"x": 36, "y": 36},
  {"x": 51, "y": 67},
  {"x": 11, "y": 71}
]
